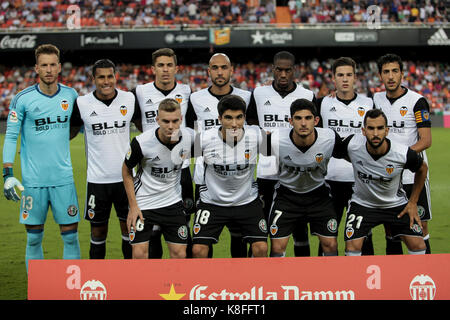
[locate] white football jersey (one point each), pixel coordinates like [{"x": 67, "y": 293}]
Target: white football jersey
[
  {"x": 149, "y": 96},
  {"x": 107, "y": 134},
  {"x": 204, "y": 104},
  {"x": 345, "y": 119},
  {"x": 273, "y": 112},
  {"x": 303, "y": 171},
  {"x": 157, "y": 181},
  {"x": 407, "y": 113},
  {"x": 229, "y": 170},
  {"x": 378, "y": 180}
]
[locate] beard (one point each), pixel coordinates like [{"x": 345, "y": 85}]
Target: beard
[
  {"x": 376, "y": 145},
  {"x": 46, "y": 82},
  {"x": 397, "y": 85},
  {"x": 220, "y": 84}
]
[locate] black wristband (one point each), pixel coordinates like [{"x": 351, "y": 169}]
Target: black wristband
[{"x": 7, "y": 172}]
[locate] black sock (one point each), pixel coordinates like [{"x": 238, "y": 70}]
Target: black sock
[
  {"x": 189, "y": 248},
  {"x": 126, "y": 248},
  {"x": 303, "y": 250},
  {"x": 155, "y": 247},
  {"x": 427, "y": 244},
  {"x": 238, "y": 247},
  {"x": 393, "y": 246},
  {"x": 210, "y": 252},
  {"x": 97, "y": 249},
  {"x": 367, "y": 247}
]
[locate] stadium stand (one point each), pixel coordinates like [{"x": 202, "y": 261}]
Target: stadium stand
[{"x": 23, "y": 15}]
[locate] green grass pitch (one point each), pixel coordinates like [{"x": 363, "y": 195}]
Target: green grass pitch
[{"x": 13, "y": 279}]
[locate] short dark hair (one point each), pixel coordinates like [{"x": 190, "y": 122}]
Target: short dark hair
[
  {"x": 373, "y": 114},
  {"x": 164, "y": 52},
  {"x": 231, "y": 102},
  {"x": 343, "y": 61},
  {"x": 103, "y": 63},
  {"x": 388, "y": 58},
  {"x": 303, "y": 104},
  {"x": 46, "y": 49},
  {"x": 283, "y": 55}
]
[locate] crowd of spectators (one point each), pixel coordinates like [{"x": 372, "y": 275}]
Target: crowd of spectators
[
  {"x": 17, "y": 14},
  {"x": 431, "y": 79}
]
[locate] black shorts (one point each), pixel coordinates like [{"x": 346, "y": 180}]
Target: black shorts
[
  {"x": 360, "y": 220},
  {"x": 100, "y": 198},
  {"x": 210, "y": 219},
  {"x": 290, "y": 209},
  {"x": 341, "y": 193},
  {"x": 266, "y": 189},
  {"x": 171, "y": 220},
  {"x": 424, "y": 202}
]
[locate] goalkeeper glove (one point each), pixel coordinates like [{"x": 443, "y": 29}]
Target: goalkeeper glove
[{"x": 10, "y": 184}]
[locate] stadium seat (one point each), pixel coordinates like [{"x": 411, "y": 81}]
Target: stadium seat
[{"x": 283, "y": 15}]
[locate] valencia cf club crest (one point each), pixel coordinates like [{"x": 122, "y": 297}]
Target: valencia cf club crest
[
  {"x": 93, "y": 290},
  {"x": 247, "y": 154},
  {"x": 91, "y": 213},
  {"x": 389, "y": 168},
  {"x": 183, "y": 154},
  {"x": 196, "y": 228},
  {"x": 132, "y": 235},
  {"x": 179, "y": 98},
  {"x": 319, "y": 157},
  {"x": 25, "y": 214},
  {"x": 349, "y": 232},
  {"x": 64, "y": 105},
  {"x": 422, "y": 287},
  {"x": 123, "y": 110},
  {"x": 273, "y": 229},
  {"x": 403, "y": 111},
  {"x": 361, "y": 111}
]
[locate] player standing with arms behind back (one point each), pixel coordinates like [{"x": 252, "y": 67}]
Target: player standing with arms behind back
[
  {"x": 409, "y": 120},
  {"x": 203, "y": 109},
  {"x": 41, "y": 115},
  {"x": 344, "y": 113},
  {"x": 106, "y": 114},
  {"x": 270, "y": 109}
]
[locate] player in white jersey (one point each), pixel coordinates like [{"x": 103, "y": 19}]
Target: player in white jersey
[
  {"x": 378, "y": 196},
  {"x": 106, "y": 114},
  {"x": 41, "y": 115},
  {"x": 269, "y": 108},
  {"x": 203, "y": 115},
  {"x": 344, "y": 113},
  {"x": 230, "y": 194},
  {"x": 154, "y": 194},
  {"x": 409, "y": 120},
  {"x": 301, "y": 195},
  {"x": 148, "y": 98}
]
